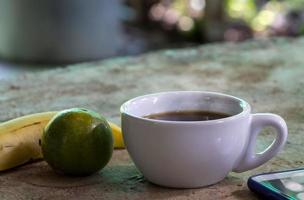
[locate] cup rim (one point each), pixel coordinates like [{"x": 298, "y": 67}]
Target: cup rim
[{"x": 246, "y": 108}]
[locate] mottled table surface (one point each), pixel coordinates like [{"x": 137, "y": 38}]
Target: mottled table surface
[{"x": 267, "y": 73}]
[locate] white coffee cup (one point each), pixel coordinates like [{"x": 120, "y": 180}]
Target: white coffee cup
[{"x": 190, "y": 154}]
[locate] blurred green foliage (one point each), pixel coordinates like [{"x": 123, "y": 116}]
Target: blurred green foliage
[
  {"x": 244, "y": 9},
  {"x": 235, "y": 20},
  {"x": 261, "y": 17}
]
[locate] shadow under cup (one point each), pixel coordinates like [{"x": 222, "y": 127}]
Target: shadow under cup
[{"x": 189, "y": 154}]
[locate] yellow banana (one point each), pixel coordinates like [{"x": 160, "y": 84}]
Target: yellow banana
[
  {"x": 20, "y": 139},
  {"x": 117, "y": 135}
]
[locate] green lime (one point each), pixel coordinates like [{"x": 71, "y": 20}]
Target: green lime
[{"x": 77, "y": 142}]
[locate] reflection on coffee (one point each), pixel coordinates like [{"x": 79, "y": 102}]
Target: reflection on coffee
[{"x": 188, "y": 115}]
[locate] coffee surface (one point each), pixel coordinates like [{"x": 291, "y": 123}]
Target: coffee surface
[{"x": 188, "y": 115}]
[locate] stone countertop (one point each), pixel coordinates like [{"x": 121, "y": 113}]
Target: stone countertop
[{"x": 267, "y": 73}]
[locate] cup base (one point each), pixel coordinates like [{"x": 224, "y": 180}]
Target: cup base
[{"x": 185, "y": 186}]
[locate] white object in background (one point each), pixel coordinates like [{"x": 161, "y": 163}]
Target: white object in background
[{"x": 59, "y": 31}]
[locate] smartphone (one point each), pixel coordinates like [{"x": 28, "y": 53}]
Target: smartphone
[{"x": 281, "y": 185}]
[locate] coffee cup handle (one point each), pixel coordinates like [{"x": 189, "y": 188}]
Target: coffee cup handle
[{"x": 250, "y": 159}]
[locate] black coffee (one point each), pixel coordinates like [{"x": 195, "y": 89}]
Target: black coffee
[{"x": 188, "y": 115}]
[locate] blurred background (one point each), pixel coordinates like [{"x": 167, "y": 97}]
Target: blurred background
[{"x": 55, "y": 33}]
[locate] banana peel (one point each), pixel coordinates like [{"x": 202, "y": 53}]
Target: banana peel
[
  {"x": 117, "y": 135},
  {"x": 20, "y": 139}
]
